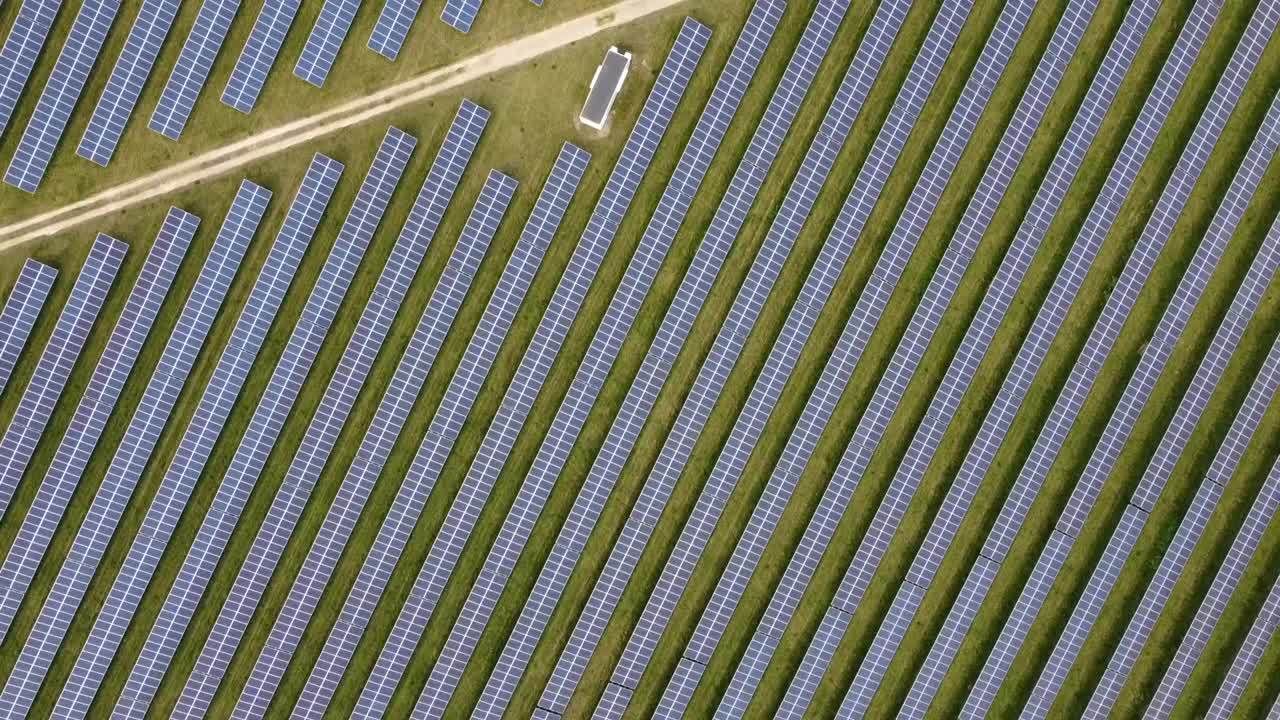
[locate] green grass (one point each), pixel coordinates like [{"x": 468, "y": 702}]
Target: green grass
[
  {"x": 358, "y": 71},
  {"x": 522, "y": 139},
  {"x": 534, "y": 110}
]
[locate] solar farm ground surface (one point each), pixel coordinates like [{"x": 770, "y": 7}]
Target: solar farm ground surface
[{"x": 534, "y": 110}]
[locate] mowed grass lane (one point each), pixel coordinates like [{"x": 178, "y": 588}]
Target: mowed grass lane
[
  {"x": 534, "y": 111},
  {"x": 1119, "y": 366}
]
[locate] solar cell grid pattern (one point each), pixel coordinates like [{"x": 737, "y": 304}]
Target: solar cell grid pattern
[
  {"x": 266, "y": 424},
  {"x": 1178, "y": 313},
  {"x": 786, "y": 350},
  {"x": 1178, "y": 434},
  {"x": 336, "y": 404},
  {"x": 877, "y": 660},
  {"x": 744, "y": 186},
  {"x": 670, "y": 214},
  {"x": 134, "y": 450},
  {"x": 111, "y": 115},
  {"x": 61, "y": 93},
  {"x": 325, "y": 40},
  {"x": 92, "y": 412},
  {"x": 587, "y": 383},
  {"x": 20, "y": 50},
  {"x": 460, "y": 14},
  {"x": 1225, "y": 581},
  {"x": 55, "y": 365},
  {"x": 197, "y": 441},
  {"x": 1000, "y": 293},
  {"x": 1102, "y": 214},
  {"x": 942, "y": 287},
  {"x": 393, "y": 26},
  {"x": 597, "y": 238},
  {"x": 392, "y": 414},
  {"x": 845, "y": 355},
  {"x": 21, "y": 310},
  {"x": 725, "y": 226},
  {"x": 1175, "y": 558},
  {"x": 329, "y": 418},
  {"x": 1190, "y": 530},
  {"x": 1099, "y": 344},
  {"x": 445, "y": 426},
  {"x": 1086, "y": 612},
  {"x": 192, "y": 68},
  {"x": 259, "y": 54},
  {"x": 1246, "y": 661},
  {"x": 966, "y": 611}
]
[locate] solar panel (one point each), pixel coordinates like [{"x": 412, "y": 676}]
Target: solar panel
[
  {"x": 1136, "y": 271},
  {"x": 740, "y": 195},
  {"x": 845, "y": 355},
  {"x": 91, "y": 415},
  {"x": 344, "y": 387},
  {"x": 1189, "y": 532},
  {"x": 1215, "y": 600},
  {"x": 1107, "y": 328},
  {"x": 549, "y": 337},
  {"x": 20, "y": 51},
  {"x": 191, "y": 70},
  {"x": 438, "y": 441},
  {"x": 127, "y": 79},
  {"x": 267, "y": 421},
  {"x": 139, "y": 439},
  {"x": 396, "y": 405},
  {"x": 334, "y": 408},
  {"x": 393, "y": 27},
  {"x": 1096, "y": 226},
  {"x": 773, "y": 377},
  {"x": 1029, "y": 602},
  {"x": 1000, "y": 293},
  {"x": 259, "y": 54},
  {"x": 211, "y": 414},
  {"x": 672, "y": 208},
  {"x": 1193, "y": 403},
  {"x": 819, "y": 655},
  {"x": 1246, "y": 662},
  {"x": 876, "y": 663},
  {"x": 21, "y": 309},
  {"x": 460, "y": 14},
  {"x": 61, "y": 93},
  {"x": 56, "y": 362},
  {"x": 947, "y": 643},
  {"x": 937, "y": 297},
  {"x": 326, "y": 39},
  {"x": 619, "y": 317},
  {"x": 670, "y": 213},
  {"x": 1086, "y": 612}
]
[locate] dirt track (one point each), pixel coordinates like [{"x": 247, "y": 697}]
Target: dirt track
[{"x": 220, "y": 161}]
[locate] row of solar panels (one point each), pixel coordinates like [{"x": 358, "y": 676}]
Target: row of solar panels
[
  {"x": 151, "y": 26},
  {"x": 612, "y": 206},
  {"x": 231, "y": 372},
  {"x": 1070, "y": 32},
  {"x": 837, "y": 620},
  {"x": 782, "y": 359},
  {"x": 952, "y": 388},
  {"x": 1106, "y": 331}
]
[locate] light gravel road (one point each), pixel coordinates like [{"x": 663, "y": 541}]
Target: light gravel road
[{"x": 228, "y": 158}]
